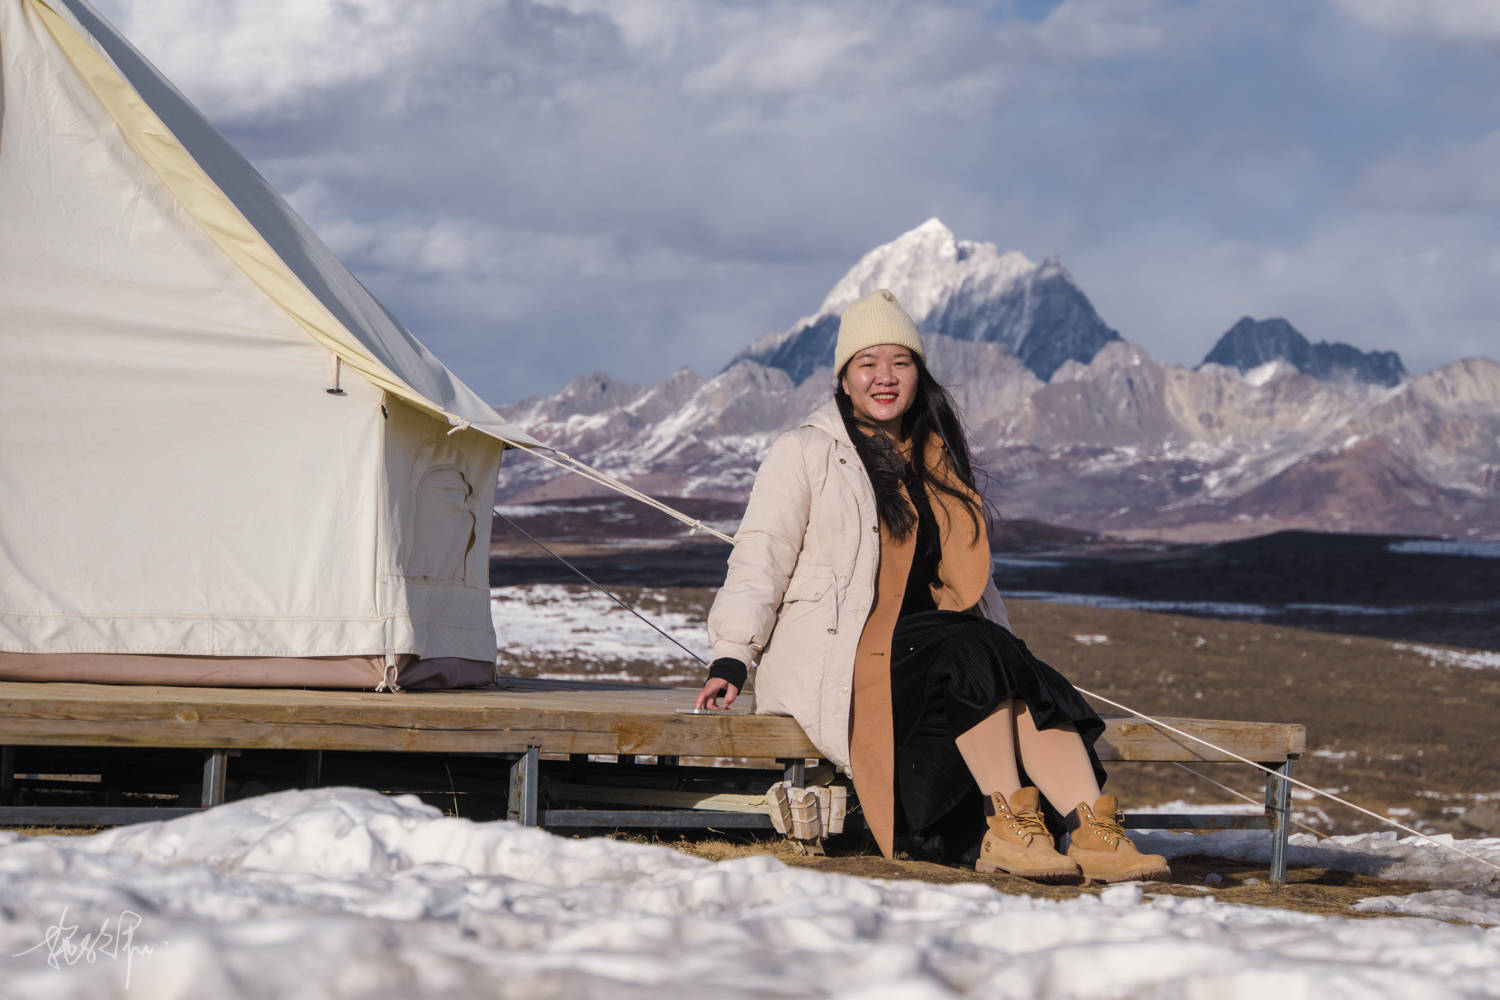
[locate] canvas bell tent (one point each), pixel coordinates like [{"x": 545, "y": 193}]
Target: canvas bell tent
[{"x": 221, "y": 460}]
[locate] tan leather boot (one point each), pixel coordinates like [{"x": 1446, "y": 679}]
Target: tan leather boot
[
  {"x": 1018, "y": 841},
  {"x": 1103, "y": 851}
]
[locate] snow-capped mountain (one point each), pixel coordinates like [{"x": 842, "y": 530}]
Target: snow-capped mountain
[
  {"x": 1114, "y": 442},
  {"x": 1134, "y": 445},
  {"x": 691, "y": 436},
  {"x": 1250, "y": 344},
  {"x": 957, "y": 288}
]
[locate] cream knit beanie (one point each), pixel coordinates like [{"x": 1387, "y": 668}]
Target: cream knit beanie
[{"x": 875, "y": 319}]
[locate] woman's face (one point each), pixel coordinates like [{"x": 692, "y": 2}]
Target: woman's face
[{"x": 881, "y": 382}]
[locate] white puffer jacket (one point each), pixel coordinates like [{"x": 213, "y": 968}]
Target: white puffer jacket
[{"x": 801, "y": 580}]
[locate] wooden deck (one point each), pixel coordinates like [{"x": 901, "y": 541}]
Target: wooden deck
[
  {"x": 571, "y": 717},
  {"x": 527, "y": 720}
]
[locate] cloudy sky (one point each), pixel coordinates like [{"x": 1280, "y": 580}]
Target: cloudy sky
[{"x": 539, "y": 188}]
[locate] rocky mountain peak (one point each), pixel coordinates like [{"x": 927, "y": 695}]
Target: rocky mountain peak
[
  {"x": 957, "y": 288},
  {"x": 924, "y": 267},
  {"x": 584, "y": 395},
  {"x": 1251, "y": 344}
]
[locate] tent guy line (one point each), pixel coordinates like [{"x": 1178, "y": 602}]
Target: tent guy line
[
  {"x": 1248, "y": 798},
  {"x": 599, "y": 587},
  {"x": 1287, "y": 778},
  {"x": 593, "y": 475}
]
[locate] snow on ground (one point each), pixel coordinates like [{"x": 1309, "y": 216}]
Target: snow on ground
[
  {"x": 545, "y": 621},
  {"x": 545, "y": 509},
  {"x": 550, "y": 620},
  {"x": 343, "y": 892},
  {"x": 1382, "y": 855},
  {"x": 1238, "y": 610},
  {"x": 1221, "y": 609},
  {"x": 1473, "y": 659},
  {"x": 1475, "y": 548}
]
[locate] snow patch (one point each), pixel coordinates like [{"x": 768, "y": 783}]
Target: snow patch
[
  {"x": 549, "y": 620},
  {"x": 1446, "y": 547},
  {"x": 1470, "y": 659},
  {"x": 1269, "y": 372},
  {"x": 344, "y": 892}
]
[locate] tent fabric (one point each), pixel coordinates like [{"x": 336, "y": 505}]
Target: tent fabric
[
  {"x": 196, "y": 671},
  {"x": 351, "y": 672},
  {"x": 254, "y": 224},
  {"x": 177, "y": 480}
]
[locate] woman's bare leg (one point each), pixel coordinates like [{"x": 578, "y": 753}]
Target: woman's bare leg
[
  {"x": 989, "y": 751},
  {"x": 1055, "y": 760}
]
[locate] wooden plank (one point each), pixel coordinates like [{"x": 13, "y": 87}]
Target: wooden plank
[
  {"x": 633, "y": 720},
  {"x": 559, "y": 717},
  {"x": 1129, "y": 738},
  {"x": 613, "y": 819},
  {"x": 90, "y": 815},
  {"x": 660, "y": 797},
  {"x": 1196, "y": 821}
]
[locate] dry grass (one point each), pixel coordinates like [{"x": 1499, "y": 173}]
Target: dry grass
[{"x": 1308, "y": 890}]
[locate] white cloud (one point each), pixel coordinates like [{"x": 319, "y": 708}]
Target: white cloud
[
  {"x": 651, "y": 28},
  {"x": 689, "y": 176},
  {"x": 790, "y": 57},
  {"x": 1453, "y": 19},
  {"x": 1456, "y": 177},
  {"x": 252, "y": 59},
  {"x": 1428, "y": 288},
  {"x": 1104, "y": 29}
]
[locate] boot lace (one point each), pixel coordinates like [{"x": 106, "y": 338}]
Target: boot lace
[
  {"x": 1108, "y": 829},
  {"x": 1028, "y": 824}
]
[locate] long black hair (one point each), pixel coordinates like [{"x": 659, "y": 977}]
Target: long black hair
[{"x": 932, "y": 414}]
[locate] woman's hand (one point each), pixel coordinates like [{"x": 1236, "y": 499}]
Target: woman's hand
[{"x": 716, "y": 687}]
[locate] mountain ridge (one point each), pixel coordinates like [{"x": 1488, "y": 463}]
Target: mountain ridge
[
  {"x": 1115, "y": 443},
  {"x": 1251, "y": 343}
]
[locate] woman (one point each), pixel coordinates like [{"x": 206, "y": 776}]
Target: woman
[{"x": 860, "y": 583}]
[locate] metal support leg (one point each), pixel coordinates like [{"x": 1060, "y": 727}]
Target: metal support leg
[
  {"x": 1279, "y": 816},
  {"x": 796, "y": 771},
  {"x": 313, "y": 777},
  {"x": 523, "y": 787},
  {"x": 215, "y": 770}
]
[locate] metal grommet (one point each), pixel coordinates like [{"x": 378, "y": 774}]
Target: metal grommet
[
  {"x": 833, "y": 631},
  {"x": 843, "y": 461},
  {"x": 874, "y": 527}
]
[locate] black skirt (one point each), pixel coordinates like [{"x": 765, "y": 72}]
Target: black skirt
[{"x": 949, "y": 672}]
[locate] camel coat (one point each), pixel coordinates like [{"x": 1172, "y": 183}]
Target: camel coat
[{"x": 798, "y": 599}]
